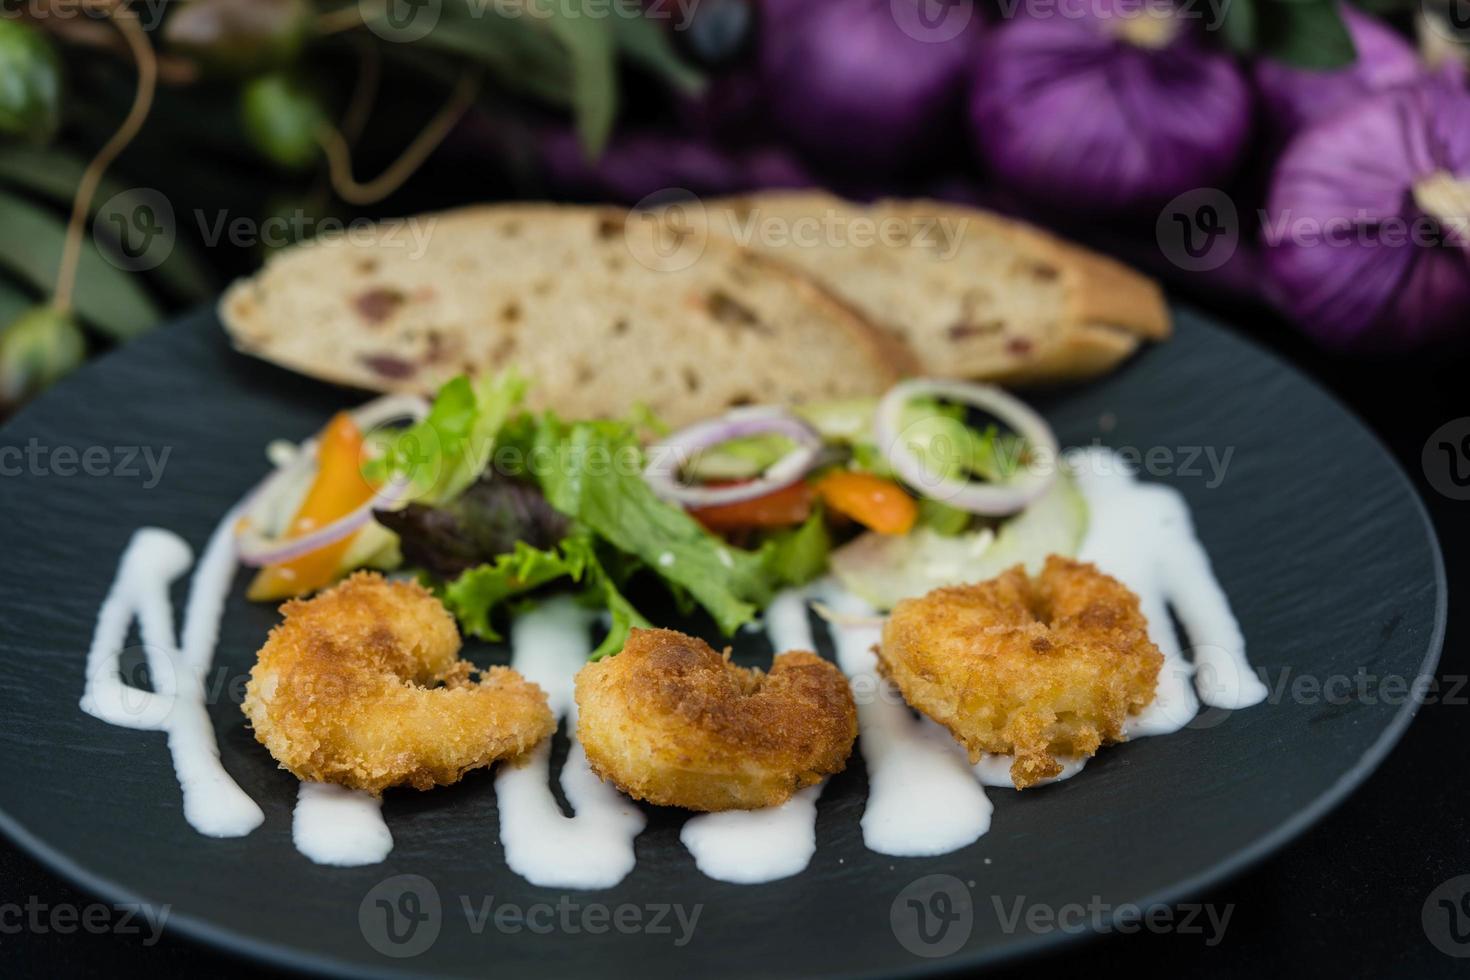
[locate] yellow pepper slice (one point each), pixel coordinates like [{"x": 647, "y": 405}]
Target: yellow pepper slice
[{"x": 338, "y": 490}]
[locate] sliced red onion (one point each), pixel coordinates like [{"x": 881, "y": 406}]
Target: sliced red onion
[
  {"x": 977, "y": 498},
  {"x": 670, "y": 456},
  {"x": 257, "y": 549}
]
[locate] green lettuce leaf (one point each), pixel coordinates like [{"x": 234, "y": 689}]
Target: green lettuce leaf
[
  {"x": 799, "y": 555},
  {"x": 592, "y": 472},
  {"x": 475, "y": 595},
  {"x": 478, "y": 593},
  {"x": 449, "y": 449}
]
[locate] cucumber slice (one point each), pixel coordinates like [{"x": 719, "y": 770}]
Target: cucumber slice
[{"x": 884, "y": 569}]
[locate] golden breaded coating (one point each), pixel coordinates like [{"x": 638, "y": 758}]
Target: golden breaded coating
[
  {"x": 671, "y": 721},
  {"x": 1040, "y": 667},
  {"x": 363, "y": 686}
]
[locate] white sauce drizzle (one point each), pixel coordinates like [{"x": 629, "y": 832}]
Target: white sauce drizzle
[
  {"x": 593, "y": 849},
  {"x": 924, "y": 796},
  {"x": 214, "y": 804},
  {"x": 1142, "y": 534},
  {"x": 750, "y": 847},
  {"x": 338, "y": 826}
]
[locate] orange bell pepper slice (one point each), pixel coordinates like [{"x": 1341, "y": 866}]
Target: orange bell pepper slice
[
  {"x": 338, "y": 490},
  {"x": 875, "y": 503}
]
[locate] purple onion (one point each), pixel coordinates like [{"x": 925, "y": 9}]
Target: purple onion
[
  {"x": 1294, "y": 97},
  {"x": 865, "y": 85},
  {"x": 1108, "y": 106},
  {"x": 1365, "y": 224},
  {"x": 635, "y": 165}
]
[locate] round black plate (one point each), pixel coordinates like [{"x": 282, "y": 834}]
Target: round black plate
[{"x": 1318, "y": 538}]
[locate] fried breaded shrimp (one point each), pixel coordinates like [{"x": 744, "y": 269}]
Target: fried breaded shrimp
[
  {"x": 671, "y": 721},
  {"x": 1040, "y": 667},
  {"x": 363, "y": 686}
]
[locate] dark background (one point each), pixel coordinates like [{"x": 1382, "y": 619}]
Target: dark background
[{"x": 1344, "y": 899}]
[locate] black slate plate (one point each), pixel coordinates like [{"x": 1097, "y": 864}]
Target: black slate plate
[{"x": 1318, "y": 538}]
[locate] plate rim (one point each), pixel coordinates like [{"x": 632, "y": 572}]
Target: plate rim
[{"x": 209, "y": 935}]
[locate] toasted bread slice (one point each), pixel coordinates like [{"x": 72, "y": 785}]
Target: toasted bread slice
[
  {"x": 973, "y": 294},
  {"x": 601, "y": 309}
]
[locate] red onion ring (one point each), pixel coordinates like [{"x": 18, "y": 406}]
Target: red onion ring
[
  {"x": 678, "y": 448},
  {"x": 977, "y": 498},
  {"x": 257, "y": 550}
]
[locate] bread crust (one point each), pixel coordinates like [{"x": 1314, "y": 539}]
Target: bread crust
[
  {"x": 1103, "y": 310},
  {"x": 705, "y": 329}
]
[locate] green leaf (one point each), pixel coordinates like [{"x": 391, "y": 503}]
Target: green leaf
[
  {"x": 282, "y": 117},
  {"x": 592, "y": 472},
  {"x": 448, "y": 450},
  {"x": 30, "y": 82},
  {"x": 475, "y": 596},
  {"x": 520, "y": 52},
  {"x": 1305, "y": 34},
  {"x": 37, "y": 349},
  {"x": 54, "y": 173},
  {"x": 647, "y": 44},
  {"x": 589, "y": 43},
  {"x": 477, "y": 593},
  {"x": 107, "y": 297},
  {"x": 799, "y": 555},
  {"x": 14, "y": 300},
  {"x": 1240, "y": 25},
  {"x": 941, "y": 518}
]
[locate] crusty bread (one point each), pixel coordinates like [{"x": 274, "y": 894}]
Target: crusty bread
[
  {"x": 973, "y": 294},
  {"x": 602, "y": 310}
]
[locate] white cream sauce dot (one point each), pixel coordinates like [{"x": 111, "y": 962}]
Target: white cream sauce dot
[
  {"x": 339, "y": 826},
  {"x": 593, "y": 848}
]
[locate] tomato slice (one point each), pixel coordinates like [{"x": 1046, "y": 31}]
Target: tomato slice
[{"x": 779, "y": 508}]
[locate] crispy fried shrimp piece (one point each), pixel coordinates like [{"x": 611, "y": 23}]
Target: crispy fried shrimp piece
[
  {"x": 1040, "y": 667},
  {"x": 671, "y": 721},
  {"x": 363, "y": 686}
]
